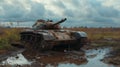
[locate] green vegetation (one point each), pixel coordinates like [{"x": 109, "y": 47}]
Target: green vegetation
[{"x": 7, "y": 36}]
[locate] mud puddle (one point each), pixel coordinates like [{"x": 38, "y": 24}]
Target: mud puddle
[
  {"x": 88, "y": 58},
  {"x": 94, "y": 57},
  {"x": 19, "y": 59}
]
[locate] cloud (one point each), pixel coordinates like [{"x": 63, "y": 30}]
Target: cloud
[
  {"x": 20, "y": 10},
  {"x": 111, "y": 3},
  {"x": 81, "y": 12}
]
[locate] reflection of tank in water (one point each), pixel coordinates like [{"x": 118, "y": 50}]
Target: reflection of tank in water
[{"x": 47, "y": 35}]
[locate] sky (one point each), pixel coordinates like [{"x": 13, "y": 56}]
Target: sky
[{"x": 90, "y": 13}]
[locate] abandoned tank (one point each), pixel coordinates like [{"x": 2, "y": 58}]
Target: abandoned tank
[{"x": 47, "y": 35}]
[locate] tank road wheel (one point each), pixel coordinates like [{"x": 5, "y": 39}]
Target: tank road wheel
[{"x": 44, "y": 45}]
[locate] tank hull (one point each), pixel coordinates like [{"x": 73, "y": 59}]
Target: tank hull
[{"x": 53, "y": 39}]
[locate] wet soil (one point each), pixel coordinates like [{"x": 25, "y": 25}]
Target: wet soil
[
  {"x": 113, "y": 58},
  {"x": 4, "y": 54},
  {"x": 85, "y": 58},
  {"x": 54, "y": 58}
]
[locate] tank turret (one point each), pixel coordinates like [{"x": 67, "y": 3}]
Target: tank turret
[{"x": 40, "y": 24}]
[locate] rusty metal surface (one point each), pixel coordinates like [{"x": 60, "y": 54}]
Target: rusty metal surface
[
  {"x": 46, "y": 35},
  {"x": 42, "y": 24}
]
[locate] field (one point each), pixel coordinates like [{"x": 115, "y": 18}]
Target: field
[
  {"x": 104, "y": 37},
  {"x": 7, "y": 36},
  {"x": 97, "y": 37},
  {"x": 101, "y": 36},
  {"x": 100, "y": 33}
]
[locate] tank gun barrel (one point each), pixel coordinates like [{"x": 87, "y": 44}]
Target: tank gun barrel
[{"x": 61, "y": 21}]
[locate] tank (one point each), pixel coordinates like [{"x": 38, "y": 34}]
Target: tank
[{"x": 48, "y": 35}]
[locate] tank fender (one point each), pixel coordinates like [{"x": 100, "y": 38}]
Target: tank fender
[{"x": 80, "y": 34}]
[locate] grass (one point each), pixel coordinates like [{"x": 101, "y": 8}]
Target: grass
[
  {"x": 100, "y": 33},
  {"x": 101, "y": 36},
  {"x": 97, "y": 36},
  {"x": 7, "y": 36}
]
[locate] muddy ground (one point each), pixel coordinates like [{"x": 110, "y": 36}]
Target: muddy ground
[
  {"x": 43, "y": 59},
  {"x": 114, "y": 54},
  {"x": 101, "y": 37},
  {"x": 88, "y": 57},
  {"x": 113, "y": 58}
]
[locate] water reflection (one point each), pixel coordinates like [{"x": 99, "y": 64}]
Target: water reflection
[
  {"x": 55, "y": 58},
  {"x": 89, "y": 58},
  {"x": 19, "y": 59},
  {"x": 93, "y": 61}
]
